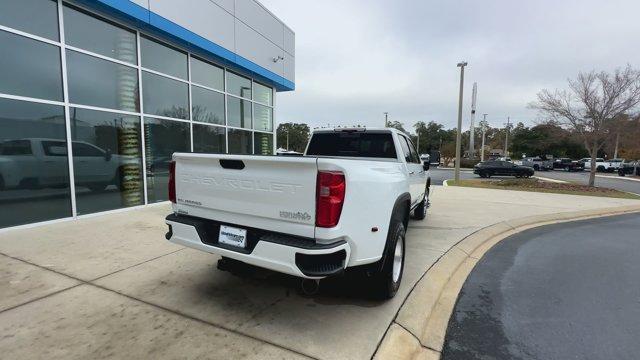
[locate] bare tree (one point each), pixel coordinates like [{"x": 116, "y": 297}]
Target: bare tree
[{"x": 592, "y": 101}]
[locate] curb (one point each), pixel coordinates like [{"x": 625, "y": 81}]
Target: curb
[
  {"x": 617, "y": 177},
  {"x": 419, "y": 328}
]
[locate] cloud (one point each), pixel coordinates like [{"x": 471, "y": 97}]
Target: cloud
[{"x": 357, "y": 59}]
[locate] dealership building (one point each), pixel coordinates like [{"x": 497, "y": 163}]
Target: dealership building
[{"x": 96, "y": 95}]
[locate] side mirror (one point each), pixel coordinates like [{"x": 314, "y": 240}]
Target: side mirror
[
  {"x": 425, "y": 165},
  {"x": 107, "y": 155}
]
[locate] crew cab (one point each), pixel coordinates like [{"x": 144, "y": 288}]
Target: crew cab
[
  {"x": 344, "y": 204},
  {"x": 42, "y": 162},
  {"x": 568, "y": 165}
]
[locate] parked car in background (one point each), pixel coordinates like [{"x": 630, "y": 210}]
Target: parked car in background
[
  {"x": 434, "y": 157},
  {"x": 490, "y": 168},
  {"x": 613, "y": 165},
  {"x": 538, "y": 163},
  {"x": 600, "y": 164},
  {"x": 568, "y": 164},
  {"x": 629, "y": 168},
  {"x": 346, "y": 203},
  {"x": 39, "y": 163}
]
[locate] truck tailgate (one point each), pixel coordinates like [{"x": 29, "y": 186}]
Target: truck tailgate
[{"x": 267, "y": 192}]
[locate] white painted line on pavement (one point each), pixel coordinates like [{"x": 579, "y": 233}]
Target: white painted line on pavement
[
  {"x": 617, "y": 177},
  {"x": 550, "y": 180},
  {"x": 444, "y": 182}
]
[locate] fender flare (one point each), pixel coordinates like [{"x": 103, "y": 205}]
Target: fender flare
[{"x": 401, "y": 210}]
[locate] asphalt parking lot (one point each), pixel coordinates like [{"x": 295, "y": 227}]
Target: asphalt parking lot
[
  {"x": 611, "y": 181},
  {"x": 563, "y": 291}
]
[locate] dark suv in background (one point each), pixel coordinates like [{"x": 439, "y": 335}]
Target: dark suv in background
[{"x": 568, "y": 164}]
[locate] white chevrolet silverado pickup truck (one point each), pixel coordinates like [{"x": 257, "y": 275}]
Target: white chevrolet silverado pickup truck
[{"x": 344, "y": 204}]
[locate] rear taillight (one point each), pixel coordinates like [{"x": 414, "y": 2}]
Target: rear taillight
[
  {"x": 172, "y": 182},
  {"x": 330, "y": 189}
]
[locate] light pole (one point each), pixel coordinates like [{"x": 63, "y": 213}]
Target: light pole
[
  {"x": 472, "y": 126},
  {"x": 483, "y": 125},
  {"x": 386, "y": 116},
  {"x": 461, "y": 65},
  {"x": 506, "y": 139}
]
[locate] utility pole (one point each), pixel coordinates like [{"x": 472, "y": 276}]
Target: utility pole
[
  {"x": 418, "y": 141},
  {"x": 615, "y": 153},
  {"x": 506, "y": 139},
  {"x": 483, "y": 125},
  {"x": 461, "y": 65},
  {"x": 386, "y": 119},
  {"x": 287, "y": 139},
  {"x": 472, "y": 145}
]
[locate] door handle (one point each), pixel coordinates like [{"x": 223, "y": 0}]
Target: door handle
[
  {"x": 411, "y": 172},
  {"x": 421, "y": 172}
]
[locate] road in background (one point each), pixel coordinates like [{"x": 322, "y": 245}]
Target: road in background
[
  {"x": 611, "y": 182},
  {"x": 438, "y": 175},
  {"x": 563, "y": 291}
]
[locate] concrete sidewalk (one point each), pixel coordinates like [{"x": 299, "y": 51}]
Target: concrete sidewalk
[{"x": 111, "y": 286}]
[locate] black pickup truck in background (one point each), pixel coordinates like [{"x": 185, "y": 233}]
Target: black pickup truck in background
[{"x": 568, "y": 164}]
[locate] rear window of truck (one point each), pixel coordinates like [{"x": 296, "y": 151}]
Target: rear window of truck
[{"x": 352, "y": 144}]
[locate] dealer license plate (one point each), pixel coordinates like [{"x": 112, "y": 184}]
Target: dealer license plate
[{"x": 233, "y": 236}]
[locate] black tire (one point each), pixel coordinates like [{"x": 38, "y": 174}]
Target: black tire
[
  {"x": 1, "y": 183},
  {"x": 420, "y": 212},
  {"x": 536, "y": 167},
  {"x": 385, "y": 283},
  {"x": 600, "y": 168}
]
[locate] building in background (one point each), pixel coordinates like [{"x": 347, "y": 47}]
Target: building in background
[{"x": 95, "y": 96}]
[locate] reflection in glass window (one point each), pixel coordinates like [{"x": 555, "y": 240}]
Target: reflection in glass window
[
  {"x": 33, "y": 161},
  {"x": 108, "y": 162},
  {"x": 208, "y": 139},
  {"x": 206, "y": 74},
  {"x": 159, "y": 57},
  {"x": 238, "y": 85},
  {"x": 37, "y": 17},
  {"x": 165, "y": 97},
  {"x": 29, "y": 67},
  {"x": 90, "y": 33},
  {"x": 262, "y": 117},
  {"x": 207, "y": 106},
  {"x": 262, "y": 144},
  {"x": 102, "y": 83},
  {"x": 238, "y": 112},
  {"x": 240, "y": 142},
  {"x": 262, "y": 94},
  {"x": 162, "y": 139}
]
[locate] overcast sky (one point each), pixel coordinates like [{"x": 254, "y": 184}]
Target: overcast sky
[{"x": 356, "y": 59}]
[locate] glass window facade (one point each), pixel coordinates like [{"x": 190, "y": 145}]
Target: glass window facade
[
  {"x": 29, "y": 67},
  {"x": 131, "y": 102},
  {"x": 161, "y": 139},
  {"x": 34, "y": 174},
  {"x": 262, "y": 117},
  {"x": 238, "y": 85},
  {"x": 238, "y": 112},
  {"x": 240, "y": 142},
  {"x": 207, "y": 106},
  {"x": 107, "y": 160},
  {"x": 37, "y": 17},
  {"x": 98, "y": 36},
  {"x": 262, "y": 144},
  {"x": 206, "y": 74},
  {"x": 262, "y": 94},
  {"x": 164, "y": 96},
  {"x": 162, "y": 58},
  {"x": 208, "y": 139},
  {"x": 98, "y": 82}
]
